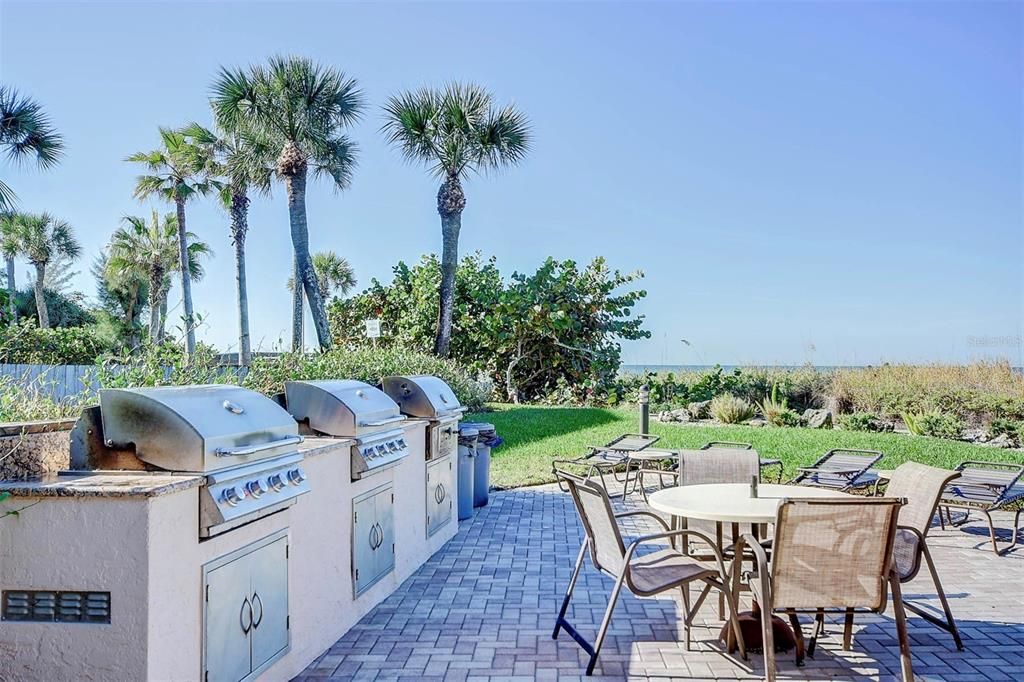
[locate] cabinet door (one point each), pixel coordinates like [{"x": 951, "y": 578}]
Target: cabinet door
[
  {"x": 385, "y": 505},
  {"x": 364, "y": 543},
  {"x": 269, "y": 598},
  {"x": 227, "y": 622},
  {"x": 439, "y": 494}
]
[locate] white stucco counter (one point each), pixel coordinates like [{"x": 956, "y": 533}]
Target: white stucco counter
[{"x": 131, "y": 539}]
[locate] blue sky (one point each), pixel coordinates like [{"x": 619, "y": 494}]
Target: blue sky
[{"x": 839, "y": 183}]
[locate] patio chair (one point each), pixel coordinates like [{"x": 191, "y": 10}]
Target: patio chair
[
  {"x": 922, "y": 487},
  {"x": 610, "y": 457},
  {"x": 840, "y": 469},
  {"x": 829, "y": 555},
  {"x": 644, "y": 575},
  {"x": 765, "y": 463},
  {"x": 986, "y": 487}
]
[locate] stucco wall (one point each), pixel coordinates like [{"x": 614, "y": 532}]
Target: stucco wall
[{"x": 147, "y": 553}]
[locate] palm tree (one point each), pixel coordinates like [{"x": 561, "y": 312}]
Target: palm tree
[
  {"x": 41, "y": 239},
  {"x": 149, "y": 251},
  {"x": 301, "y": 108},
  {"x": 454, "y": 130},
  {"x": 243, "y": 159},
  {"x": 333, "y": 274},
  {"x": 122, "y": 294},
  {"x": 10, "y": 251},
  {"x": 25, "y": 131},
  {"x": 178, "y": 171}
]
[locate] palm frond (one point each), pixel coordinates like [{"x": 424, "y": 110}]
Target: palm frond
[{"x": 26, "y": 130}]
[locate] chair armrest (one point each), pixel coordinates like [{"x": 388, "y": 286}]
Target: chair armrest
[{"x": 654, "y": 516}]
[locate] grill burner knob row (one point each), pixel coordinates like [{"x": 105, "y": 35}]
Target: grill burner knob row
[
  {"x": 233, "y": 495},
  {"x": 276, "y": 482},
  {"x": 296, "y": 476}
]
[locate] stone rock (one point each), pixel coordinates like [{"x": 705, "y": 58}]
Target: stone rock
[
  {"x": 974, "y": 435},
  {"x": 700, "y": 409},
  {"x": 1003, "y": 440},
  {"x": 756, "y": 422},
  {"x": 680, "y": 415},
  {"x": 818, "y": 419}
]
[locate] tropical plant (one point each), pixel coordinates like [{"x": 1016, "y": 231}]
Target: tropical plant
[
  {"x": 244, "y": 160},
  {"x": 776, "y": 410},
  {"x": 26, "y": 343},
  {"x": 730, "y": 409},
  {"x": 141, "y": 249},
  {"x": 40, "y": 238},
  {"x": 301, "y": 108},
  {"x": 863, "y": 421},
  {"x": 25, "y": 132},
  {"x": 333, "y": 274},
  {"x": 63, "y": 310},
  {"x": 178, "y": 171},
  {"x": 10, "y": 251},
  {"x": 122, "y": 295},
  {"x": 455, "y": 130}
]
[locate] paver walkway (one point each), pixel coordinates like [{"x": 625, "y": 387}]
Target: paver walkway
[{"x": 483, "y": 608}]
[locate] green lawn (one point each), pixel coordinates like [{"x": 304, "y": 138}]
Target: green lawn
[{"x": 536, "y": 435}]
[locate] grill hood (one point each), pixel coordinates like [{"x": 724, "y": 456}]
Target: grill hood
[
  {"x": 423, "y": 396},
  {"x": 197, "y": 428},
  {"x": 342, "y": 407}
]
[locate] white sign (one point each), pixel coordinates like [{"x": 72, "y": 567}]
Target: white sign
[{"x": 372, "y": 328}]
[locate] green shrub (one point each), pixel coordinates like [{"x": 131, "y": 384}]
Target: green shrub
[
  {"x": 730, "y": 409},
  {"x": 933, "y": 423},
  {"x": 28, "y": 344},
  {"x": 1008, "y": 427},
  {"x": 776, "y": 410},
  {"x": 863, "y": 421},
  {"x": 19, "y": 403}
]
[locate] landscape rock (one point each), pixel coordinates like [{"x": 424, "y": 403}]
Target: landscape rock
[
  {"x": 974, "y": 435},
  {"x": 1003, "y": 440},
  {"x": 700, "y": 409},
  {"x": 818, "y": 419},
  {"x": 757, "y": 422},
  {"x": 680, "y": 415}
]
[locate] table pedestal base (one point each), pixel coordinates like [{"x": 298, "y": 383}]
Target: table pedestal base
[{"x": 750, "y": 628}]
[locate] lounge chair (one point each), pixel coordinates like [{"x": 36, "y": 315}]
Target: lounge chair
[
  {"x": 765, "y": 463},
  {"x": 986, "y": 487},
  {"x": 840, "y": 469},
  {"x": 828, "y": 554},
  {"x": 609, "y": 457},
  {"x": 647, "y": 575}
]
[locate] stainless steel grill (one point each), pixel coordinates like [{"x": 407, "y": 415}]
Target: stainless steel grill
[
  {"x": 352, "y": 409},
  {"x": 243, "y": 442},
  {"x": 428, "y": 397}
]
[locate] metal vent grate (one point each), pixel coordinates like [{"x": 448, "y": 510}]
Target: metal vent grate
[{"x": 56, "y": 606}]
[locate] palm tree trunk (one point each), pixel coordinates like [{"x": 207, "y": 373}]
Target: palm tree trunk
[
  {"x": 44, "y": 314},
  {"x": 295, "y": 184},
  {"x": 129, "y": 316},
  {"x": 239, "y": 227},
  {"x": 298, "y": 308},
  {"x": 11, "y": 291},
  {"x": 450, "y": 202},
  {"x": 156, "y": 278},
  {"x": 162, "y": 326},
  {"x": 186, "y": 280}
]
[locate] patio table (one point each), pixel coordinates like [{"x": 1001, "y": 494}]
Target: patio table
[{"x": 732, "y": 503}]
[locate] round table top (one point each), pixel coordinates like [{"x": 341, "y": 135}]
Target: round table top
[{"x": 731, "y": 502}]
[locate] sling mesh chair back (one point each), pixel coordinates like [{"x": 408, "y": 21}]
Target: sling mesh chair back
[
  {"x": 644, "y": 575},
  {"x": 987, "y": 487},
  {"x": 829, "y": 554},
  {"x": 775, "y": 464},
  {"x": 922, "y": 487},
  {"x": 841, "y": 469}
]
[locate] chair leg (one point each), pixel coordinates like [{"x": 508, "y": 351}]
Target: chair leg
[
  {"x": 606, "y": 621},
  {"x": 560, "y": 622},
  {"x": 906, "y": 664},
  {"x": 730, "y": 596},
  {"x": 768, "y": 642},
  {"x": 687, "y": 614},
  {"x": 848, "y": 630},
  {"x": 992, "y": 533},
  {"x": 950, "y": 624},
  {"x": 798, "y": 634},
  {"x": 819, "y": 629}
]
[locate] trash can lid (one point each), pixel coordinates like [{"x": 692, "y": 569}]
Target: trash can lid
[
  {"x": 468, "y": 430},
  {"x": 482, "y": 427}
]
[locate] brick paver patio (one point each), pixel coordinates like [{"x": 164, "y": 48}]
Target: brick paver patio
[{"x": 483, "y": 608}]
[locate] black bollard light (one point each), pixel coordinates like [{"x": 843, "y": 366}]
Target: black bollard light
[{"x": 645, "y": 409}]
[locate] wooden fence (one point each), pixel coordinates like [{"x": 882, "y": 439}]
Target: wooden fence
[{"x": 57, "y": 381}]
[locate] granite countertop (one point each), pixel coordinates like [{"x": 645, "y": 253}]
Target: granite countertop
[
  {"x": 313, "y": 446},
  {"x": 103, "y": 484}
]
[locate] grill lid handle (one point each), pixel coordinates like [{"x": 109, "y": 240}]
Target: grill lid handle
[
  {"x": 259, "y": 447},
  {"x": 233, "y": 408},
  {"x": 382, "y": 422}
]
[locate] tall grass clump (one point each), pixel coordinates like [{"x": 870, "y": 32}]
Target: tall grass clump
[
  {"x": 776, "y": 410},
  {"x": 20, "y": 403},
  {"x": 730, "y": 409}
]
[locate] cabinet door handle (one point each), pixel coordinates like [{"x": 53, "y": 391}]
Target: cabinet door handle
[
  {"x": 246, "y": 625},
  {"x": 256, "y": 600}
]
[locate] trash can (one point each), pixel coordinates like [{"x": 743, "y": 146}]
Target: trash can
[
  {"x": 467, "y": 455},
  {"x": 487, "y": 439}
]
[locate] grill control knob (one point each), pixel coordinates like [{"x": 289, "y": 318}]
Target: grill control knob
[
  {"x": 233, "y": 495},
  {"x": 276, "y": 482},
  {"x": 296, "y": 476},
  {"x": 256, "y": 488}
]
